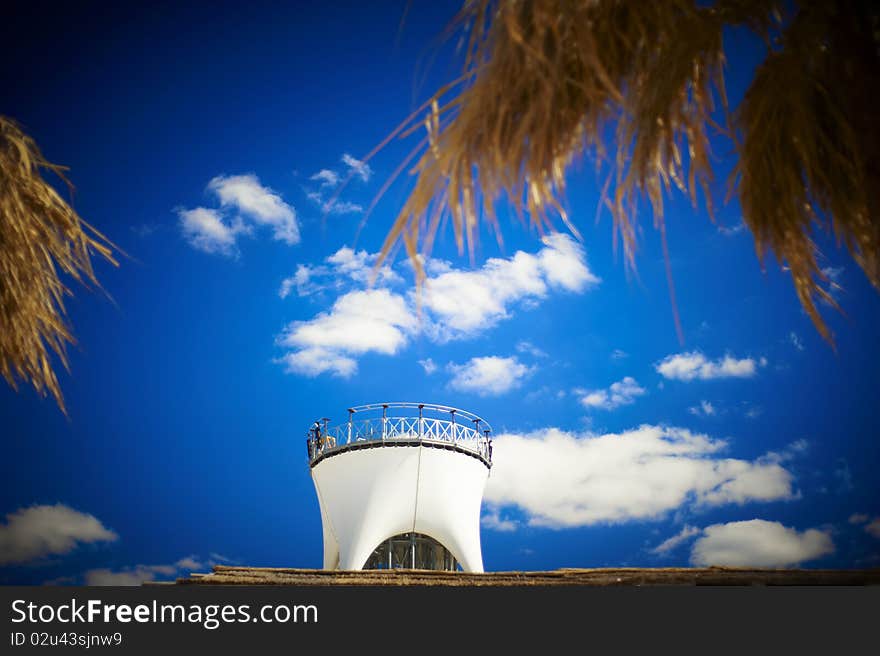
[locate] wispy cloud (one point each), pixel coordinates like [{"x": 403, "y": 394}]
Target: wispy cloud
[
  {"x": 145, "y": 229},
  {"x": 833, "y": 276},
  {"x": 695, "y": 365},
  {"x": 488, "y": 376},
  {"x": 843, "y": 475},
  {"x": 618, "y": 354},
  {"x": 681, "y": 537},
  {"x": 340, "y": 207},
  {"x": 344, "y": 267},
  {"x": 753, "y": 411},
  {"x": 564, "y": 479},
  {"x": 492, "y": 520},
  {"x": 705, "y": 409},
  {"x": 790, "y": 452},
  {"x": 139, "y": 574},
  {"x": 732, "y": 230},
  {"x": 326, "y": 196},
  {"x": 870, "y": 526},
  {"x": 429, "y": 366},
  {"x": 326, "y": 177},
  {"x": 333, "y": 205},
  {"x": 299, "y": 281},
  {"x": 795, "y": 341},
  {"x": 357, "y": 167},
  {"x": 623, "y": 392},
  {"x": 35, "y": 532},
  {"x": 528, "y": 348}
]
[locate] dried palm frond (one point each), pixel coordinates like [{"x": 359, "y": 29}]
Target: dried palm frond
[
  {"x": 41, "y": 236},
  {"x": 636, "y": 83},
  {"x": 810, "y": 150}
]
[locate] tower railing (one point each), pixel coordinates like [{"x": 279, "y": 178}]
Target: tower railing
[{"x": 395, "y": 422}]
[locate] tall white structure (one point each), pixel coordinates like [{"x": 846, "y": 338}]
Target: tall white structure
[{"x": 400, "y": 485}]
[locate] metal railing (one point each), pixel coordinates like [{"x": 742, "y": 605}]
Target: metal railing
[{"x": 432, "y": 424}]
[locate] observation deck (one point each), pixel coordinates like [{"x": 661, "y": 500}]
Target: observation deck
[{"x": 402, "y": 424}]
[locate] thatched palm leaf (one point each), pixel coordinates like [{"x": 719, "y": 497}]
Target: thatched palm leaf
[
  {"x": 41, "y": 237},
  {"x": 547, "y": 80}
]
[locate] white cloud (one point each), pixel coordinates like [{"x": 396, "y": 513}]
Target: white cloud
[
  {"x": 795, "y": 341},
  {"x": 306, "y": 281},
  {"x": 359, "y": 266},
  {"x": 873, "y": 528},
  {"x": 464, "y": 303},
  {"x": 695, "y": 365},
  {"x": 429, "y": 366},
  {"x": 206, "y": 230},
  {"x": 705, "y": 409},
  {"x": 618, "y": 354},
  {"x": 213, "y": 231},
  {"x": 258, "y": 204},
  {"x": 623, "y": 392},
  {"x": 298, "y": 280},
  {"x": 759, "y": 543},
  {"x": 563, "y": 263},
  {"x": 671, "y": 543},
  {"x": 326, "y": 177},
  {"x": 488, "y": 376},
  {"x": 492, "y": 520},
  {"x": 454, "y": 305},
  {"x": 347, "y": 261},
  {"x": 313, "y": 362},
  {"x": 858, "y": 518},
  {"x": 359, "y": 322},
  {"x": 357, "y": 167},
  {"x": 563, "y": 479},
  {"x": 38, "y": 531}
]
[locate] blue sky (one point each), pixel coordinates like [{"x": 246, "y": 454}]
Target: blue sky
[{"x": 209, "y": 145}]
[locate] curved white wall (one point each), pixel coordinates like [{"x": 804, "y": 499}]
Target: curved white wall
[{"x": 369, "y": 495}]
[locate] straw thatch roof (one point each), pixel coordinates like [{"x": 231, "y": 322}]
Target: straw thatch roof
[
  {"x": 640, "y": 86},
  {"x": 629, "y": 576}
]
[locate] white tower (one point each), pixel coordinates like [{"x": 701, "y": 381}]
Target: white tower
[{"x": 400, "y": 485}]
